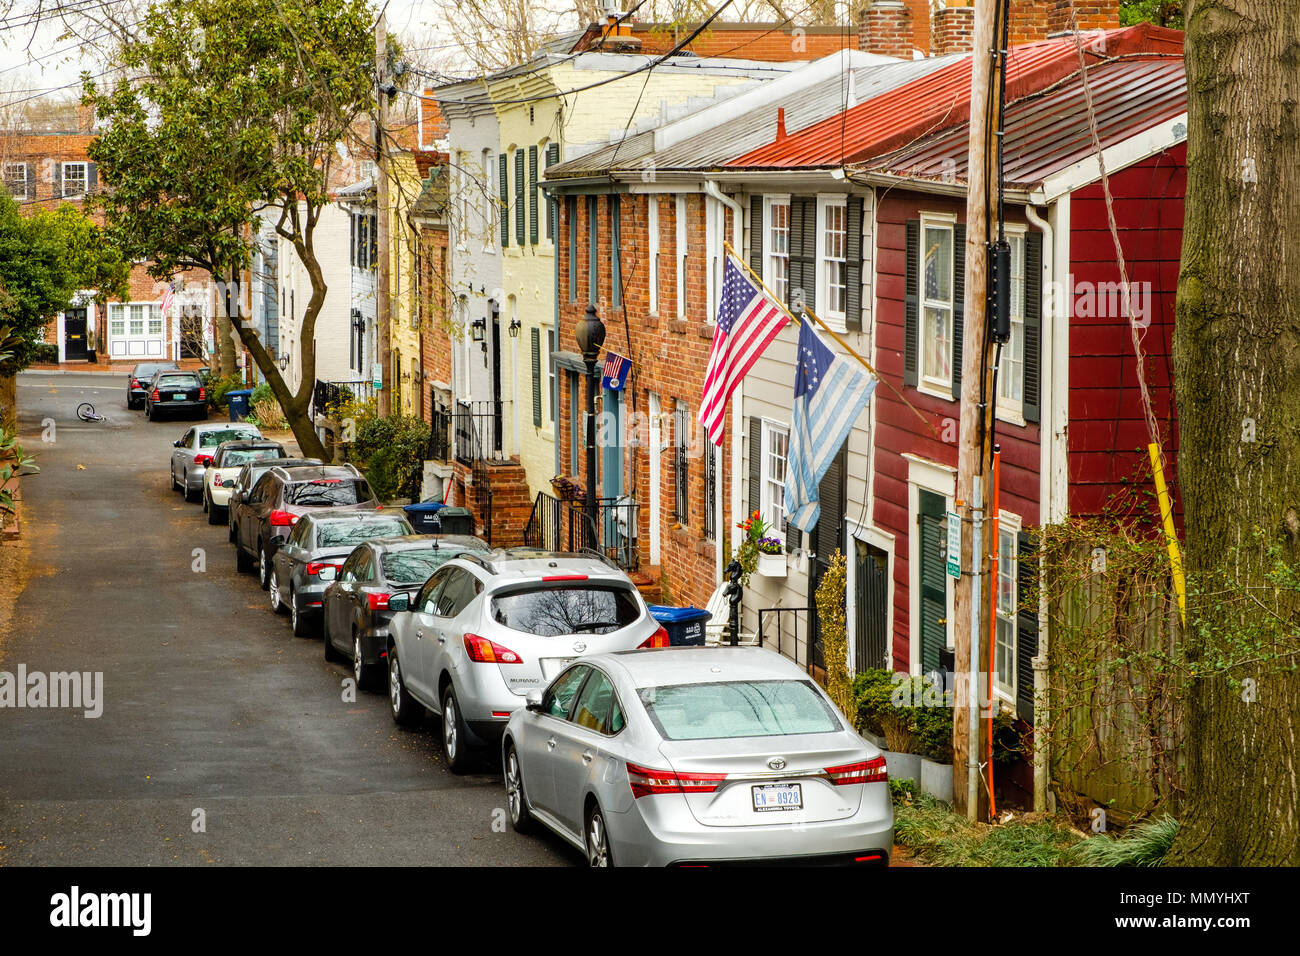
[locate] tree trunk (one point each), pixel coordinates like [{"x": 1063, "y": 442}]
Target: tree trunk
[
  {"x": 225, "y": 346},
  {"x": 1237, "y": 384}
]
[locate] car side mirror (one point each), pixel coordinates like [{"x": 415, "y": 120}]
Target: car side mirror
[
  {"x": 533, "y": 701},
  {"x": 176, "y": 443},
  {"x": 399, "y": 602},
  {"x": 329, "y": 573}
]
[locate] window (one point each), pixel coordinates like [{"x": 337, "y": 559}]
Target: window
[
  {"x": 15, "y": 176},
  {"x": 559, "y": 698},
  {"x": 137, "y": 319},
  {"x": 681, "y": 464},
  {"x": 558, "y": 611},
  {"x": 713, "y": 247},
  {"x": 74, "y": 180},
  {"x": 653, "y": 228},
  {"x": 1011, "y": 370},
  {"x": 1004, "y": 654},
  {"x": 155, "y": 320},
  {"x": 550, "y": 374},
  {"x": 937, "y": 304},
  {"x": 116, "y": 321},
  {"x": 776, "y": 252},
  {"x": 776, "y": 445},
  {"x": 711, "y": 491},
  {"x": 732, "y": 709},
  {"x": 576, "y": 430},
  {"x": 597, "y": 707},
  {"x": 615, "y": 237},
  {"x": 681, "y": 257},
  {"x": 593, "y": 226},
  {"x": 832, "y": 259},
  {"x": 571, "y": 213}
]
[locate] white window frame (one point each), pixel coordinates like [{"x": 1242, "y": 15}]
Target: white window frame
[
  {"x": 781, "y": 286},
  {"x": 117, "y": 320},
  {"x": 9, "y": 168},
  {"x": 770, "y": 510},
  {"x": 491, "y": 211},
  {"x": 652, "y": 225},
  {"x": 835, "y": 318},
  {"x": 1008, "y": 525},
  {"x": 713, "y": 229},
  {"x": 941, "y": 388},
  {"x": 681, "y": 255},
  {"x": 938, "y": 479},
  {"x": 1012, "y": 410},
  {"x": 85, "y": 180}
]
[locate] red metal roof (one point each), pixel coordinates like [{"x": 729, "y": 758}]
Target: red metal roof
[{"x": 942, "y": 99}]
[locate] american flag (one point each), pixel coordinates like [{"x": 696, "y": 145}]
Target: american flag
[
  {"x": 748, "y": 320},
  {"x": 166, "y": 298}
]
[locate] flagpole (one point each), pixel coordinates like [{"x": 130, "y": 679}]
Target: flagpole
[{"x": 835, "y": 335}]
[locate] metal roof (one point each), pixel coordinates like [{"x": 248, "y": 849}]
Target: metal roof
[
  {"x": 1049, "y": 131},
  {"x": 942, "y": 99}
]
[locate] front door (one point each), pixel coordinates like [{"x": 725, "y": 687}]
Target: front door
[
  {"x": 932, "y": 527},
  {"x": 496, "y": 379},
  {"x": 76, "y": 348},
  {"x": 871, "y": 600},
  {"x": 609, "y": 435}
]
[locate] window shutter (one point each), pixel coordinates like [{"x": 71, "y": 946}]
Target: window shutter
[
  {"x": 615, "y": 251},
  {"x": 1033, "y": 323},
  {"x": 912, "y": 305},
  {"x": 553, "y": 157},
  {"x": 830, "y": 494},
  {"x": 374, "y": 241},
  {"x": 503, "y": 190},
  {"x": 532, "y": 194},
  {"x": 756, "y": 234},
  {"x": 537, "y": 376},
  {"x": 521, "y": 198},
  {"x": 803, "y": 249},
  {"x": 1026, "y": 625},
  {"x": 853, "y": 265},
  {"x": 755, "y": 464},
  {"x": 958, "y": 305},
  {"x": 92, "y": 178}
]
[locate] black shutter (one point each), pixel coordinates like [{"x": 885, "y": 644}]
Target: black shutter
[
  {"x": 755, "y": 464},
  {"x": 958, "y": 305},
  {"x": 912, "y": 304},
  {"x": 756, "y": 234},
  {"x": 552, "y": 207},
  {"x": 803, "y": 249},
  {"x": 92, "y": 178},
  {"x": 374, "y": 242},
  {"x": 532, "y": 194},
  {"x": 1033, "y": 323},
  {"x": 537, "y": 377},
  {"x": 521, "y": 198},
  {"x": 853, "y": 265},
  {"x": 1026, "y": 625},
  {"x": 503, "y": 190},
  {"x": 830, "y": 495},
  {"x": 615, "y": 250}
]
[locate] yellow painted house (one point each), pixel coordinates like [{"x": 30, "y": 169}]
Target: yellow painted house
[{"x": 404, "y": 328}]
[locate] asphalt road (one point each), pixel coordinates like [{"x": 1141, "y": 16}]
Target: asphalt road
[{"x": 209, "y": 703}]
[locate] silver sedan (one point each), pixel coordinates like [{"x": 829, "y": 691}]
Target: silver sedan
[
  {"x": 193, "y": 452},
  {"x": 696, "y": 756}
]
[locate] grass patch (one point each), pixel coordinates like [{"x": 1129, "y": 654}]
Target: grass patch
[{"x": 1144, "y": 844}]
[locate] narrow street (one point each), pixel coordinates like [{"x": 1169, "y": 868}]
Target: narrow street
[{"x": 209, "y": 703}]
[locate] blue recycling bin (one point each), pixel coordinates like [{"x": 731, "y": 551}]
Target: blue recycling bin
[
  {"x": 424, "y": 517},
  {"x": 238, "y": 401},
  {"x": 685, "y": 625}
]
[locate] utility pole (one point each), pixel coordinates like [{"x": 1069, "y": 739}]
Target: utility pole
[
  {"x": 383, "y": 345},
  {"x": 976, "y": 388}
]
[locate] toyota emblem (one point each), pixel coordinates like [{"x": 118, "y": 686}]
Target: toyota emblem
[
  {"x": 579, "y": 647},
  {"x": 777, "y": 763}
]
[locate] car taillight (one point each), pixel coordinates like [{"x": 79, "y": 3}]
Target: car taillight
[
  {"x": 155, "y": 395},
  {"x": 204, "y": 460},
  {"x": 315, "y": 567},
  {"x": 868, "y": 771},
  {"x": 281, "y": 519},
  {"x": 565, "y": 577},
  {"x": 646, "y": 782},
  {"x": 136, "y": 383},
  {"x": 658, "y": 639},
  {"x": 377, "y": 602},
  {"x": 203, "y": 394},
  {"x": 483, "y": 651}
]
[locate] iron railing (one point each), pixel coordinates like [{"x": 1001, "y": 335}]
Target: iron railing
[
  {"x": 439, "y": 433},
  {"x": 783, "y": 639},
  {"x": 328, "y": 396},
  {"x": 564, "y": 525}
]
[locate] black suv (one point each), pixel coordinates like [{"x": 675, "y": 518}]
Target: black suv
[
  {"x": 266, "y": 516},
  {"x": 137, "y": 383}
]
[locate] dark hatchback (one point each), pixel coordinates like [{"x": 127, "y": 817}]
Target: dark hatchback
[
  {"x": 173, "y": 392},
  {"x": 355, "y": 612},
  {"x": 137, "y": 383}
]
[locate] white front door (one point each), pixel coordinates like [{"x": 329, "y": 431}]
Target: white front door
[{"x": 656, "y": 448}]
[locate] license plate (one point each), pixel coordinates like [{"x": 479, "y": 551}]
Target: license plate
[
  {"x": 178, "y": 396},
  {"x": 778, "y": 796},
  {"x": 553, "y": 665}
]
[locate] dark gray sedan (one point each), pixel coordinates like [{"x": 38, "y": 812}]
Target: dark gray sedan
[
  {"x": 248, "y": 474},
  {"x": 321, "y": 540},
  {"x": 356, "y": 613}
]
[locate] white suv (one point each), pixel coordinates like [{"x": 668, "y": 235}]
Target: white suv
[{"x": 488, "y": 628}]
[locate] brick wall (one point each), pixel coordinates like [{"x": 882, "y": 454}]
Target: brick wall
[
  {"x": 435, "y": 344},
  {"x": 953, "y": 30},
  {"x": 886, "y": 28},
  {"x": 1037, "y": 19},
  {"x": 669, "y": 354},
  {"x": 770, "y": 42}
]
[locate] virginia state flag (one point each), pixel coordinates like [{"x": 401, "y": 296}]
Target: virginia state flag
[{"x": 829, "y": 392}]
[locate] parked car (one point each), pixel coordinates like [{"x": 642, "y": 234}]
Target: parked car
[
  {"x": 356, "y": 612},
  {"x": 696, "y": 756},
  {"x": 193, "y": 451},
  {"x": 137, "y": 382},
  {"x": 219, "y": 477},
  {"x": 175, "y": 392},
  {"x": 486, "y": 629},
  {"x": 247, "y": 477},
  {"x": 319, "y": 541},
  {"x": 266, "y": 516}
]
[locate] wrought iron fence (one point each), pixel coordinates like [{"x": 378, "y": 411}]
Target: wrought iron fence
[
  {"x": 439, "y": 433},
  {"x": 558, "y": 525},
  {"x": 327, "y": 397},
  {"x": 785, "y": 643}
]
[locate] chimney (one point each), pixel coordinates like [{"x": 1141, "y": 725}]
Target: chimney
[
  {"x": 780, "y": 123},
  {"x": 954, "y": 28},
  {"x": 886, "y": 29},
  {"x": 1089, "y": 14}
]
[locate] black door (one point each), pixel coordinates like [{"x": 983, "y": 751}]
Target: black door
[
  {"x": 826, "y": 540},
  {"x": 75, "y": 346},
  {"x": 932, "y": 526},
  {"x": 496, "y": 378},
  {"x": 871, "y": 595}
]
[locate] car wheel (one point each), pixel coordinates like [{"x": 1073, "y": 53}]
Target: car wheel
[
  {"x": 264, "y": 569},
  {"x": 273, "y": 589},
  {"x": 363, "y": 673},
  {"x": 175, "y": 485},
  {"x": 597, "y": 839},
  {"x": 301, "y": 620},
  {"x": 148, "y": 414},
  {"x": 516, "y": 799},
  {"x": 211, "y": 509},
  {"x": 189, "y": 495},
  {"x": 454, "y": 737},
  {"x": 406, "y": 712}
]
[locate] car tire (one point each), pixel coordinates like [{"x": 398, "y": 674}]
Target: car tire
[
  {"x": 406, "y": 712},
  {"x": 185, "y": 487},
  {"x": 595, "y": 837},
  {"x": 148, "y": 414},
  {"x": 363, "y": 673},
  {"x": 175, "y": 484},
  {"x": 273, "y": 589},
  {"x": 211, "y": 510},
  {"x": 263, "y": 568},
  {"x": 516, "y": 797},
  {"x": 455, "y": 747},
  {"x": 301, "y": 621}
]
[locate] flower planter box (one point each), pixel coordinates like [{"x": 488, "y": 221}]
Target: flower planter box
[
  {"x": 903, "y": 766},
  {"x": 936, "y": 779},
  {"x": 771, "y": 565}
]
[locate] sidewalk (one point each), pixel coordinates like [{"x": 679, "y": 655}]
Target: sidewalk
[{"x": 104, "y": 368}]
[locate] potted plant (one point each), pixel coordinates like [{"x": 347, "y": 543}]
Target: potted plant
[
  {"x": 566, "y": 490},
  {"x": 771, "y": 557},
  {"x": 749, "y": 552}
]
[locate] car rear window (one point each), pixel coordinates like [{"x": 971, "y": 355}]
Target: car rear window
[
  {"x": 415, "y": 567},
  {"x": 338, "y": 534},
  {"x": 737, "y": 709},
  {"x": 212, "y": 439},
  {"x": 572, "y": 609},
  {"x": 178, "y": 381},
  {"x": 327, "y": 492},
  {"x": 238, "y": 456}
]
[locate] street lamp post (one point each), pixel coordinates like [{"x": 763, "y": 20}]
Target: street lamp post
[{"x": 590, "y": 334}]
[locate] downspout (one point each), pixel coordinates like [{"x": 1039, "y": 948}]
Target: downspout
[
  {"x": 550, "y": 355},
  {"x": 1047, "y": 441},
  {"x": 738, "y": 397}
]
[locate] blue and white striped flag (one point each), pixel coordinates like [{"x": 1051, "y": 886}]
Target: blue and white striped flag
[{"x": 829, "y": 392}]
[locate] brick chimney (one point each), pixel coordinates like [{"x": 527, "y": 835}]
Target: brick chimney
[
  {"x": 954, "y": 28},
  {"x": 886, "y": 28},
  {"x": 1035, "y": 20}
]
